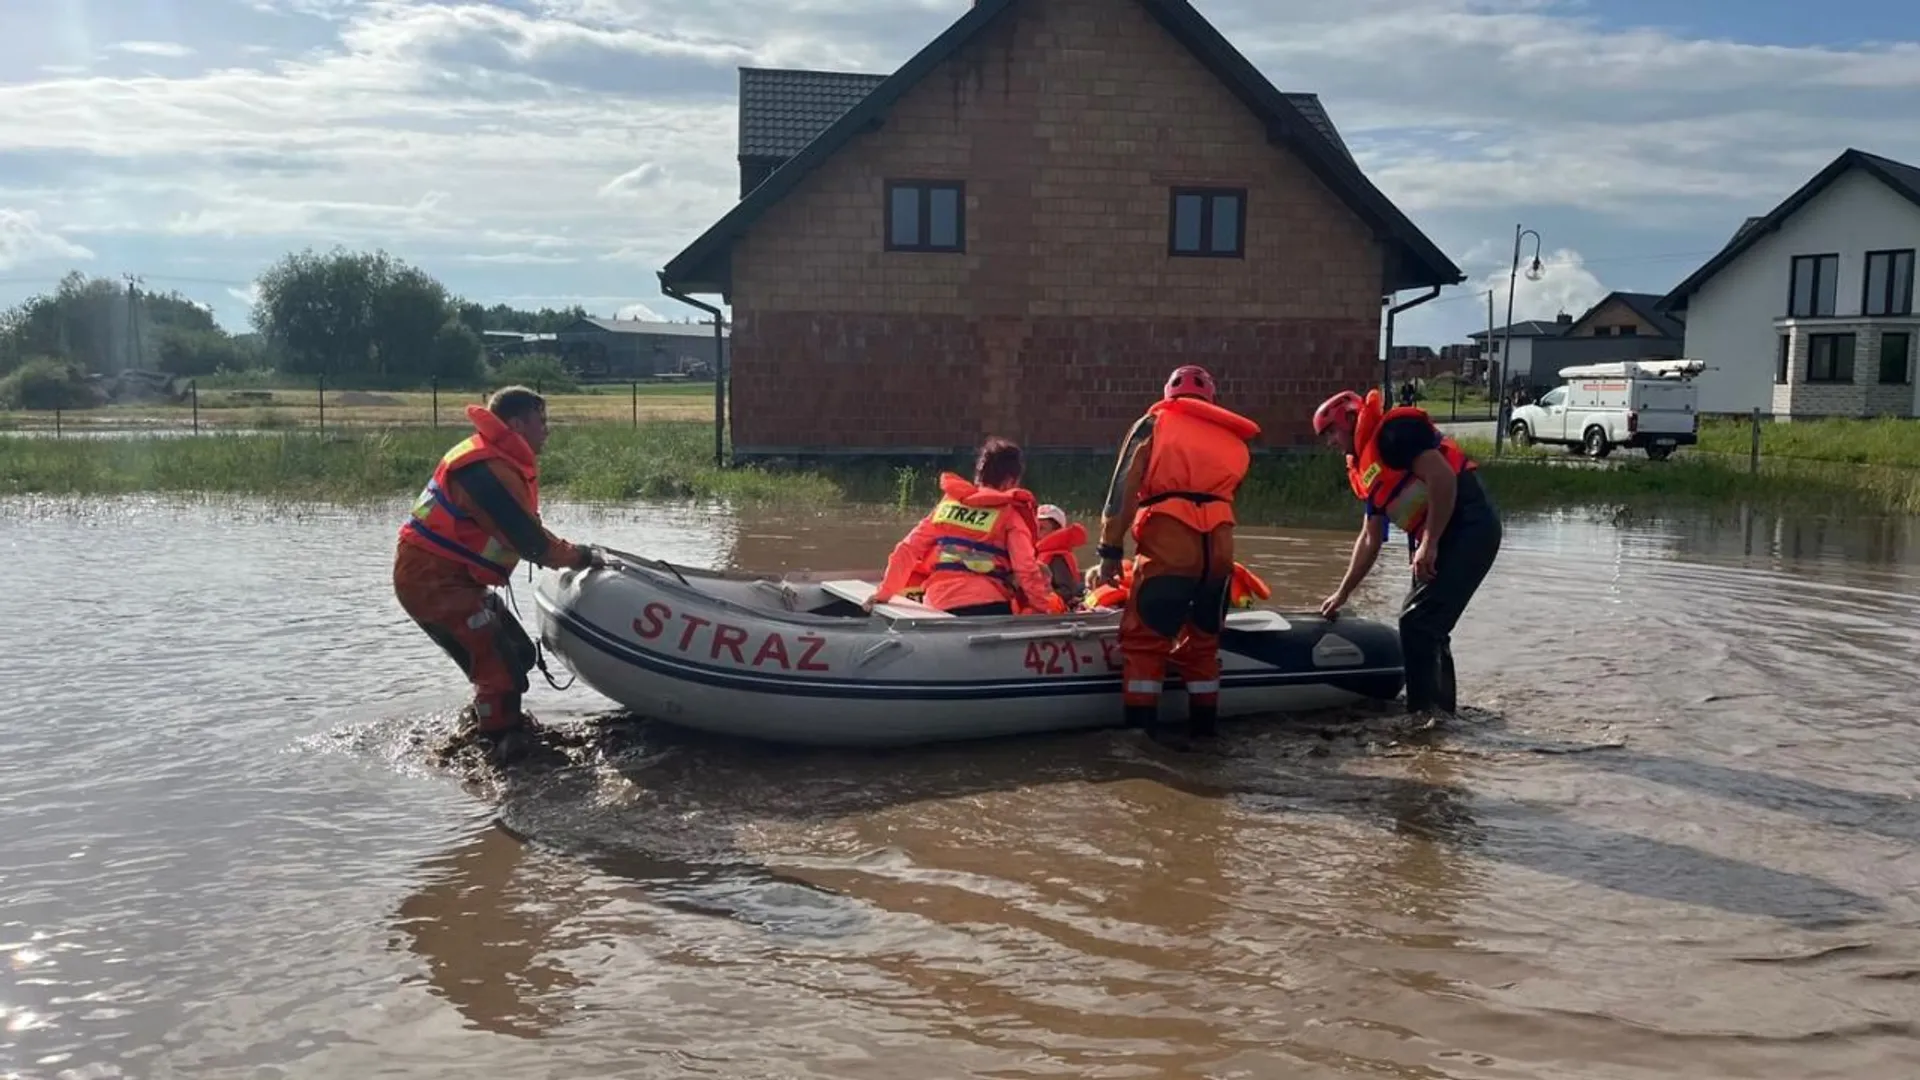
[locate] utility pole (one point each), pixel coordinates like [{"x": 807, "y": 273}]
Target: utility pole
[{"x": 133, "y": 353}]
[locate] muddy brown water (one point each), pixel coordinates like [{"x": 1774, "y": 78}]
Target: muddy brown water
[{"x": 1676, "y": 836}]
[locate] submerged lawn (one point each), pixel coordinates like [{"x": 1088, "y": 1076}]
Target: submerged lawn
[{"x": 614, "y": 461}]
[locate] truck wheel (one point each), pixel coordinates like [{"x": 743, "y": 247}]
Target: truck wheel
[
  {"x": 1597, "y": 445},
  {"x": 1520, "y": 434},
  {"x": 1659, "y": 453}
]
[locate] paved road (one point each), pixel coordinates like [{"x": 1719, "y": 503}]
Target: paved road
[{"x": 1467, "y": 429}]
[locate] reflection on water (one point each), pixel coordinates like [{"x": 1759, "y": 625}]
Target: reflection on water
[{"x": 1677, "y": 835}]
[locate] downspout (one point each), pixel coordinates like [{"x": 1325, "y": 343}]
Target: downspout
[
  {"x": 1386, "y": 360},
  {"x": 719, "y": 372}
]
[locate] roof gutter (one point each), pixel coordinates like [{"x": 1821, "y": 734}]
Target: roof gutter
[
  {"x": 1386, "y": 358},
  {"x": 720, "y": 368}
]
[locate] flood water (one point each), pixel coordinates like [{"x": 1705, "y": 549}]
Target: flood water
[{"x": 1676, "y": 836}]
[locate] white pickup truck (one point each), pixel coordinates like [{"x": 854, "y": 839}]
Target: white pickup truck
[{"x": 1650, "y": 404}]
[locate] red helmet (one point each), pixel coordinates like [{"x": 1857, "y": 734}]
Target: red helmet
[
  {"x": 1338, "y": 410},
  {"x": 1189, "y": 380}
]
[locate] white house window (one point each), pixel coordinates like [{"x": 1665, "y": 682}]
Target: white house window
[
  {"x": 1816, "y": 283},
  {"x": 1889, "y": 283}
]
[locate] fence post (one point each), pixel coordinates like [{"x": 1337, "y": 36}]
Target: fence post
[
  {"x": 436, "y": 402},
  {"x": 56, "y": 421},
  {"x": 323, "y": 403},
  {"x": 1753, "y": 456},
  {"x": 636, "y": 403},
  {"x": 194, "y": 389}
]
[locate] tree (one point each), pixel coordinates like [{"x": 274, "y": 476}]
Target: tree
[
  {"x": 349, "y": 314},
  {"x": 101, "y": 325}
]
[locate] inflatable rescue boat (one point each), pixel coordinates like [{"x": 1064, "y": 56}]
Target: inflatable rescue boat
[{"x": 795, "y": 659}]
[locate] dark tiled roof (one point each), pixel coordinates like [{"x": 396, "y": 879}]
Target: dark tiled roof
[
  {"x": 704, "y": 266},
  {"x": 1645, "y": 305},
  {"x": 1527, "y": 328},
  {"x": 782, "y": 110},
  {"x": 1316, "y": 114},
  {"x": 1904, "y": 179}
]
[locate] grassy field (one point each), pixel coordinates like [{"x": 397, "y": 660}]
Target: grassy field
[
  {"x": 299, "y": 407},
  {"x": 673, "y": 459},
  {"x": 1888, "y": 442}
]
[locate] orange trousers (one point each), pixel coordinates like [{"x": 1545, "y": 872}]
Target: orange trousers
[
  {"x": 1174, "y": 613},
  {"x": 470, "y": 624}
]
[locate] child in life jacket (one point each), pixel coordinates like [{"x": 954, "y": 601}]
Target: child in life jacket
[{"x": 1055, "y": 544}]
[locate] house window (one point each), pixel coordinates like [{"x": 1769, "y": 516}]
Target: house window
[
  {"x": 1627, "y": 331},
  {"x": 1894, "y": 350},
  {"x": 1602, "y": 331},
  {"x": 1208, "y": 222},
  {"x": 926, "y": 215},
  {"x": 1780, "y": 362},
  {"x": 1816, "y": 281},
  {"x": 1830, "y": 358},
  {"x": 1889, "y": 283}
]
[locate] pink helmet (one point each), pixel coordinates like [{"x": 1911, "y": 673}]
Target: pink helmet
[
  {"x": 1189, "y": 380},
  {"x": 1338, "y": 410}
]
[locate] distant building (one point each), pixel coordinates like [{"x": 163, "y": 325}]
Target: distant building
[
  {"x": 1622, "y": 326},
  {"x": 613, "y": 349},
  {"x": 1808, "y": 310}
]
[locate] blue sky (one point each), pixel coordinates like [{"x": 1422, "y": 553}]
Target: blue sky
[{"x": 550, "y": 152}]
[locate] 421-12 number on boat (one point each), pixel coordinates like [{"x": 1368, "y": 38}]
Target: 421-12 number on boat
[{"x": 1065, "y": 657}]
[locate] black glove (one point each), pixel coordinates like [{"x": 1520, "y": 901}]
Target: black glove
[{"x": 592, "y": 558}]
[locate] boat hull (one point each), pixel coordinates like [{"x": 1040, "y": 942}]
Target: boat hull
[{"x": 794, "y": 660}]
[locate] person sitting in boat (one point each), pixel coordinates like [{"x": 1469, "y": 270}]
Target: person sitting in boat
[
  {"x": 1058, "y": 537},
  {"x": 981, "y": 535},
  {"x": 475, "y": 520}
]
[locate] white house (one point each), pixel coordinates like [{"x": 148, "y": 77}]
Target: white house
[{"x": 1808, "y": 310}]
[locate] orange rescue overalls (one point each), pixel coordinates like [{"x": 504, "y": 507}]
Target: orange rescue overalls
[
  {"x": 472, "y": 523},
  {"x": 1173, "y": 489}
]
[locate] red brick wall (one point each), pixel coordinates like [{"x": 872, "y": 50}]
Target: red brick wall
[{"x": 1068, "y": 120}]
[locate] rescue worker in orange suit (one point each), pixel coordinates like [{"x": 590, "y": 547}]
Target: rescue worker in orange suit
[
  {"x": 981, "y": 537},
  {"x": 476, "y": 519},
  {"x": 1057, "y": 539},
  {"x": 1407, "y": 473},
  {"x": 1173, "y": 489}
]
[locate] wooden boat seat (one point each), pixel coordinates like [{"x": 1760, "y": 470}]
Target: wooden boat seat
[{"x": 856, "y": 592}]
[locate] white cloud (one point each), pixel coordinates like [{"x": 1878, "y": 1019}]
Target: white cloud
[
  {"x": 170, "y": 49},
  {"x": 572, "y": 146},
  {"x": 638, "y": 311},
  {"x": 23, "y": 240},
  {"x": 1565, "y": 286}
]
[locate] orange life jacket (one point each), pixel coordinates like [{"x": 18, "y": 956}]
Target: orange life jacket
[
  {"x": 1198, "y": 458},
  {"x": 1242, "y": 590},
  {"x": 970, "y": 526},
  {"x": 1397, "y": 494},
  {"x": 1060, "y": 544},
  {"x": 441, "y": 527}
]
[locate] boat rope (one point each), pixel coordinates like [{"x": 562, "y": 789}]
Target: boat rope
[{"x": 539, "y": 647}]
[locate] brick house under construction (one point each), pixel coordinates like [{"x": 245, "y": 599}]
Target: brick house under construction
[{"x": 1022, "y": 230}]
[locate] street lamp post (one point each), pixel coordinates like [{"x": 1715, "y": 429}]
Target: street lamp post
[{"x": 1534, "y": 273}]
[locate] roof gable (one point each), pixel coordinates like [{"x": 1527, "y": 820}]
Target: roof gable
[
  {"x": 1904, "y": 179},
  {"x": 1642, "y": 305},
  {"x": 705, "y": 264}
]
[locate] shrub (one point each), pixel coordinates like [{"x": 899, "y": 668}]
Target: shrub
[{"x": 47, "y": 384}]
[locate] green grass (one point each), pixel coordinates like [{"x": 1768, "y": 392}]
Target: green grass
[
  {"x": 1885, "y": 442},
  {"x": 674, "y": 459}
]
